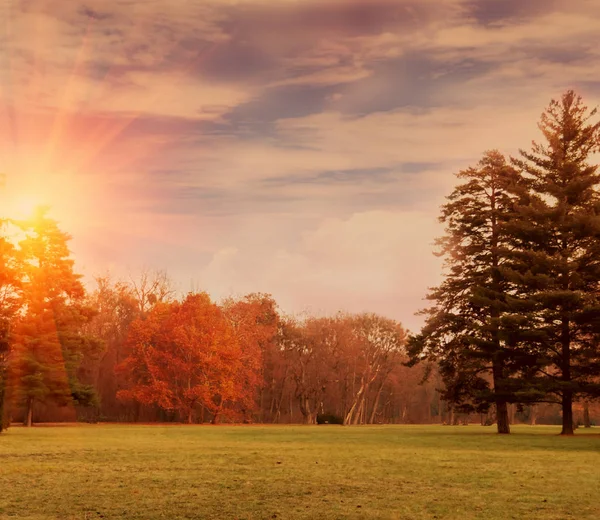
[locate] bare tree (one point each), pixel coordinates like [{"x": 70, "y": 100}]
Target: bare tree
[
  {"x": 381, "y": 343},
  {"x": 152, "y": 287}
]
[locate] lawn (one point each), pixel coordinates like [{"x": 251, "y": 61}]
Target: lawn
[{"x": 289, "y": 472}]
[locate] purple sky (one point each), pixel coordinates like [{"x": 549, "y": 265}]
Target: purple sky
[{"x": 295, "y": 147}]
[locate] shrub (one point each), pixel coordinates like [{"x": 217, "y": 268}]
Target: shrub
[{"x": 329, "y": 418}]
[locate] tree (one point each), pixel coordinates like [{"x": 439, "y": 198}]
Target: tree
[
  {"x": 10, "y": 301},
  {"x": 379, "y": 346},
  {"x": 557, "y": 265},
  {"x": 310, "y": 350},
  {"x": 116, "y": 308},
  {"x": 47, "y": 341},
  {"x": 151, "y": 288},
  {"x": 185, "y": 355},
  {"x": 255, "y": 322},
  {"x": 463, "y": 330}
]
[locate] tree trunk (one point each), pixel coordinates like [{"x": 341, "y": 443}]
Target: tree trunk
[
  {"x": 404, "y": 412},
  {"x": 567, "y": 413},
  {"x": 3, "y": 424},
  {"x": 353, "y": 409},
  {"x": 29, "y": 416},
  {"x": 532, "y": 415},
  {"x": 502, "y": 417},
  {"x": 502, "y": 420},
  {"x": 376, "y": 403},
  {"x": 358, "y": 412},
  {"x": 306, "y": 411},
  {"x": 190, "y": 415},
  {"x": 279, "y": 401},
  {"x": 272, "y": 405},
  {"x": 428, "y": 398},
  {"x": 567, "y": 396},
  {"x": 261, "y": 400},
  {"x": 511, "y": 413},
  {"x": 586, "y": 415}
]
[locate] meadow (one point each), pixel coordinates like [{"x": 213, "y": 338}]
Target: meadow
[{"x": 297, "y": 472}]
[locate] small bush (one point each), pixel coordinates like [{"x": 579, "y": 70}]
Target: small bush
[{"x": 329, "y": 418}]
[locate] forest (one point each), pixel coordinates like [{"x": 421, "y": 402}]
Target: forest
[{"x": 512, "y": 334}]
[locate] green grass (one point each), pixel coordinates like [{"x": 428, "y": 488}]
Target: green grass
[{"x": 294, "y": 472}]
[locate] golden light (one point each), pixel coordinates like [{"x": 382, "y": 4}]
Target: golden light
[
  {"x": 24, "y": 207},
  {"x": 21, "y": 198}
]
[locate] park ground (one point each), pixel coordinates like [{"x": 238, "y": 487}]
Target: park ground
[{"x": 298, "y": 472}]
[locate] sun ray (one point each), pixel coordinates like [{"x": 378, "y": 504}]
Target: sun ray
[
  {"x": 102, "y": 140},
  {"x": 66, "y": 172},
  {"x": 63, "y": 113},
  {"x": 9, "y": 82}
]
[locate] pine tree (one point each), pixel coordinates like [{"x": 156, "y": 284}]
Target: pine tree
[
  {"x": 463, "y": 331},
  {"x": 46, "y": 340},
  {"x": 9, "y": 305},
  {"x": 556, "y": 267}
]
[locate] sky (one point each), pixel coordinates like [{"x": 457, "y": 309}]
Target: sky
[{"x": 296, "y": 147}]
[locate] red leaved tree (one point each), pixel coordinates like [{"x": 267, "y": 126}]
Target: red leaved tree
[
  {"x": 185, "y": 355},
  {"x": 255, "y": 320}
]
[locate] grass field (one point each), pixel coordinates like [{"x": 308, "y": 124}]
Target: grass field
[{"x": 289, "y": 472}]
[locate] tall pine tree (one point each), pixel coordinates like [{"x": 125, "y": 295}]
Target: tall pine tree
[
  {"x": 47, "y": 343},
  {"x": 557, "y": 262},
  {"x": 463, "y": 331}
]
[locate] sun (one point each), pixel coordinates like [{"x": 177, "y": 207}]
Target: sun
[
  {"x": 23, "y": 207},
  {"x": 66, "y": 197},
  {"x": 22, "y": 202}
]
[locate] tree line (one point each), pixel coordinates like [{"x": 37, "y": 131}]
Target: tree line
[
  {"x": 512, "y": 331},
  {"x": 133, "y": 351}
]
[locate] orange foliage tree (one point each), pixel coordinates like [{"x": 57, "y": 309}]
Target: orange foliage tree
[
  {"x": 255, "y": 321},
  {"x": 47, "y": 342},
  {"x": 185, "y": 355}
]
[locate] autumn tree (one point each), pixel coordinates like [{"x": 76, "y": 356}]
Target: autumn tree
[
  {"x": 151, "y": 288},
  {"x": 118, "y": 304},
  {"x": 463, "y": 330},
  {"x": 410, "y": 395},
  {"x": 277, "y": 375},
  {"x": 116, "y": 308},
  {"x": 255, "y": 322},
  {"x": 339, "y": 365},
  {"x": 379, "y": 345},
  {"x": 557, "y": 266},
  {"x": 309, "y": 351},
  {"x": 47, "y": 340},
  {"x": 185, "y": 355}
]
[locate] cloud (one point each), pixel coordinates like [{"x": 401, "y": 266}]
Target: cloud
[
  {"x": 262, "y": 144},
  {"x": 373, "y": 260}
]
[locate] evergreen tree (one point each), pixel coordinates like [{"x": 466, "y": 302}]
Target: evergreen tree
[
  {"x": 463, "y": 331},
  {"x": 47, "y": 342},
  {"x": 9, "y": 305},
  {"x": 556, "y": 265}
]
